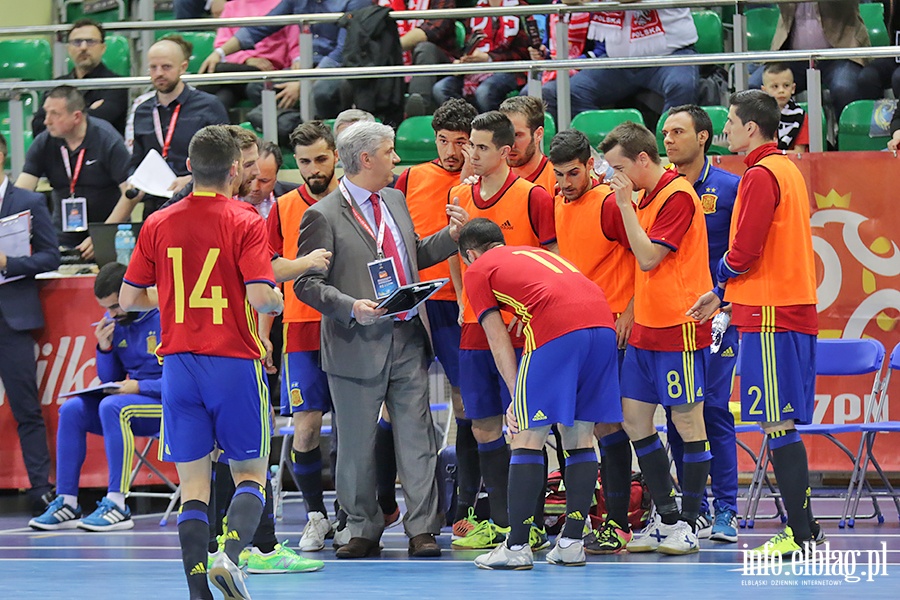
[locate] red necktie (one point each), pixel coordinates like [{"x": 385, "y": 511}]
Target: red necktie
[{"x": 388, "y": 246}]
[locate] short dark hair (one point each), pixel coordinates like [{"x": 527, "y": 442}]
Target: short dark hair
[
  {"x": 307, "y": 134},
  {"x": 186, "y": 47},
  {"x": 479, "y": 234},
  {"x": 74, "y": 99},
  {"x": 530, "y": 107},
  {"x": 502, "y": 131},
  {"x": 244, "y": 137},
  {"x": 776, "y": 68},
  {"x": 699, "y": 117},
  {"x": 454, "y": 115},
  {"x": 570, "y": 145},
  {"x": 85, "y": 22},
  {"x": 3, "y": 148},
  {"x": 212, "y": 151},
  {"x": 758, "y": 107},
  {"x": 109, "y": 279},
  {"x": 633, "y": 138},
  {"x": 272, "y": 149}
]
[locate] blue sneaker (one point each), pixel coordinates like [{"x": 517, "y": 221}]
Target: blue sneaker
[
  {"x": 724, "y": 528},
  {"x": 57, "y": 516},
  {"x": 107, "y": 517}
]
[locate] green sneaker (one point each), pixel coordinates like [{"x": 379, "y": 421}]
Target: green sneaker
[
  {"x": 537, "y": 539},
  {"x": 608, "y": 539},
  {"x": 485, "y": 536},
  {"x": 782, "y": 544},
  {"x": 280, "y": 560}
]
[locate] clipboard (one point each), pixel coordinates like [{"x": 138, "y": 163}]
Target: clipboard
[
  {"x": 103, "y": 388},
  {"x": 15, "y": 238},
  {"x": 407, "y": 297}
]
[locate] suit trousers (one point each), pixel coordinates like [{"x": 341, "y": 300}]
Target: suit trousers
[
  {"x": 18, "y": 370},
  {"x": 403, "y": 387}
]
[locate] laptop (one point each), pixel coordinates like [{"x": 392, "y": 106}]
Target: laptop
[{"x": 104, "y": 238}]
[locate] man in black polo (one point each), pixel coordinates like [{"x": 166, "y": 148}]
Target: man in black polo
[
  {"x": 86, "y": 43},
  {"x": 83, "y": 158},
  {"x": 167, "y": 122}
]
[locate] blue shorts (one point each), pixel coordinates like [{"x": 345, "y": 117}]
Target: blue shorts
[
  {"x": 667, "y": 378},
  {"x": 778, "y": 376},
  {"x": 572, "y": 378},
  {"x": 304, "y": 385},
  {"x": 484, "y": 393},
  {"x": 720, "y": 370},
  {"x": 213, "y": 401},
  {"x": 443, "y": 317}
]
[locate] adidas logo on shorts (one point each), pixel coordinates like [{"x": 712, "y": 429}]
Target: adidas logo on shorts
[
  {"x": 728, "y": 352},
  {"x": 539, "y": 416}
]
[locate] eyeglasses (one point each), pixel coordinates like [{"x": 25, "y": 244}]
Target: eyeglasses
[{"x": 77, "y": 43}]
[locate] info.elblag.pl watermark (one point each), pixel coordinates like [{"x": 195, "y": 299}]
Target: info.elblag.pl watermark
[{"x": 815, "y": 565}]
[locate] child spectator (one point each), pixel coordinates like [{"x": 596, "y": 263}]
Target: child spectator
[{"x": 793, "y": 130}]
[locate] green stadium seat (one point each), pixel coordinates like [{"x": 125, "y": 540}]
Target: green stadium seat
[
  {"x": 873, "y": 16},
  {"x": 709, "y": 31},
  {"x": 75, "y": 11},
  {"x": 203, "y": 42},
  {"x": 27, "y": 59},
  {"x": 549, "y": 131},
  {"x": 761, "y": 23},
  {"x": 4, "y": 131},
  {"x": 117, "y": 56},
  {"x": 854, "y": 126},
  {"x": 415, "y": 141},
  {"x": 596, "y": 124},
  {"x": 718, "y": 115},
  {"x": 460, "y": 35}
]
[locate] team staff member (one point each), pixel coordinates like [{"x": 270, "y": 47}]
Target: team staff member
[
  {"x": 582, "y": 204},
  {"x": 769, "y": 277},
  {"x": 214, "y": 390},
  {"x": 82, "y": 157},
  {"x": 687, "y": 133},
  {"x": 665, "y": 362},
  {"x": 526, "y": 157},
  {"x": 524, "y": 211},
  {"x": 568, "y": 375}
]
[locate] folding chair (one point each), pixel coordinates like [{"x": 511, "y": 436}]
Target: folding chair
[{"x": 174, "y": 493}]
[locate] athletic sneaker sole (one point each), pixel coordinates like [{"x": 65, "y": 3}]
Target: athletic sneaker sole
[
  {"x": 231, "y": 584},
  {"x": 73, "y": 524},
  {"x": 282, "y": 571},
  {"x": 515, "y": 568},
  {"x": 120, "y": 526},
  {"x": 674, "y": 552},
  {"x": 721, "y": 537}
]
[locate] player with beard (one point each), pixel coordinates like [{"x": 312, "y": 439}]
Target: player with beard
[{"x": 526, "y": 157}]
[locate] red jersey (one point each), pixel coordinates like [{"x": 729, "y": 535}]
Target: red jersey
[
  {"x": 547, "y": 292},
  {"x": 202, "y": 275}
]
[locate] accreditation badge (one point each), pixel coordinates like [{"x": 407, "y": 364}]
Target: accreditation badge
[
  {"x": 74, "y": 214},
  {"x": 384, "y": 277}
]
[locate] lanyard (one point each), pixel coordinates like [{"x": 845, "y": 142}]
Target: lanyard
[
  {"x": 73, "y": 177},
  {"x": 379, "y": 240},
  {"x": 157, "y": 126}
]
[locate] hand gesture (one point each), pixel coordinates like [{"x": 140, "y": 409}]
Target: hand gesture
[
  {"x": 704, "y": 308},
  {"x": 318, "y": 260},
  {"x": 104, "y": 333},
  {"x": 622, "y": 185},
  {"x": 458, "y": 218},
  {"x": 512, "y": 426}
]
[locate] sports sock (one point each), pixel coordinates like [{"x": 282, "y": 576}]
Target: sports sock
[
  {"x": 264, "y": 537},
  {"x": 243, "y": 516},
  {"x": 70, "y": 500},
  {"x": 468, "y": 469},
  {"x": 542, "y": 493},
  {"x": 212, "y": 515},
  {"x": 118, "y": 498},
  {"x": 525, "y": 470},
  {"x": 581, "y": 481},
  {"x": 494, "y": 459},
  {"x": 615, "y": 452},
  {"x": 193, "y": 531},
  {"x": 385, "y": 467},
  {"x": 654, "y": 463},
  {"x": 223, "y": 490},
  {"x": 308, "y": 471},
  {"x": 697, "y": 459},
  {"x": 789, "y": 461},
  {"x": 560, "y": 451}
]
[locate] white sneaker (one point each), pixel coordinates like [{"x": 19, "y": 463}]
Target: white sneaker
[
  {"x": 502, "y": 558},
  {"x": 681, "y": 540},
  {"x": 650, "y": 537},
  {"x": 341, "y": 537},
  {"x": 226, "y": 576},
  {"x": 315, "y": 532},
  {"x": 570, "y": 556},
  {"x": 704, "y": 526}
]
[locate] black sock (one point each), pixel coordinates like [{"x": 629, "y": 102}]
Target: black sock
[
  {"x": 814, "y": 526},
  {"x": 581, "y": 481},
  {"x": 560, "y": 451},
  {"x": 654, "y": 464},
  {"x": 525, "y": 471},
  {"x": 243, "y": 516},
  {"x": 193, "y": 532},
  {"x": 615, "y": 452},
  {"x": 542, "y": 494},
  {"x": 264, "y": 538},
  {"x": 223, "y": 492},
  {"x": 494, "y": 458},
  {"x": 792, "y": 472},
  {"x": 308, "y": 470},
  {"x": 385, "y": 467},
  {"x": 211, "y": 515},
  {"x": 468, "y": 469},
  {"x": 697, "y": 458}
]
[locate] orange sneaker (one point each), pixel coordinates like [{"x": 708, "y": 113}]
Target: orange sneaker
[{"x": 462, "y": 527}]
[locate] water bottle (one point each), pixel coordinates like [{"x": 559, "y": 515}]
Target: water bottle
[
  {"x": 123, "y": 252},
  {"x": 130, "y": 243}
]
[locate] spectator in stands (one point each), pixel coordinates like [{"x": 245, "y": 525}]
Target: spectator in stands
[
  {"x": 504, "y": 39},
  {"x": 196, "y": 9},
  {"x": 634, "y": 33},
  {"x": 86, "y": 44},
  {"x": 883, "y": 73},
  {"x": 167, "y": 122},
  {"x": 815, "y": 25},
  {"x": 577, "y": 33},
  {"x": 84, "y": 158},
  {"x": 793, "y": 129},
  {"x": 328, "y": 48},
  {"x": 265, "y": 189}
]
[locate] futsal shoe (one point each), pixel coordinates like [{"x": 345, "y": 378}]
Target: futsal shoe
[
  {"x": 570, "y": 556},
  {"x": 608, "y": 539},
  {"x": 704, "y": 525},
  {"x": 650, "y": 537},
  {"x": 681, "y": 540},
  {"x": 280, "y": 560},
  {"x": 725, "y": 527},
  {"x": 486, "y": 535},
  {"x": 58, "y": 515},
  {"x": 502, "y": 558},
  {"x": 782, "y": 544},
  {"x": 226, "y": 576},
  {"x": 462, "y": 527},
  {"x": 537, "y": 538},
  {"x": 341, "y": 537},
  {"x": 107, "y": 517},
  {"x": 315, "y": 532},
  {"x": 393, "y": 519}
]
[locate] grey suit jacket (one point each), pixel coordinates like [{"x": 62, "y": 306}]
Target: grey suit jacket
[
  {"x": 19, "y": 299},
  {"x": 348, "y": 348}
]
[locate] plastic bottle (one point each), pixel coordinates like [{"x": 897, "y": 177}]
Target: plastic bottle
[{"x": 124, "y": 242}]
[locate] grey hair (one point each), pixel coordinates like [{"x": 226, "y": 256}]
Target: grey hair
[
  {"x": 350, "y": 116},
  {"x": 360, "y": 137}
]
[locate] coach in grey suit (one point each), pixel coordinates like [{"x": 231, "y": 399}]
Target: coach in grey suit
[
  {"x": 370, "y": 359},
  {"x": 20, "y": 313}
]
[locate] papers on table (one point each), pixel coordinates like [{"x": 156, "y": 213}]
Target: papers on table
[
  {"x": 153, "y": 176},
  {"x": 103, "y": 388},
  {"x": 15, "y": 238}
]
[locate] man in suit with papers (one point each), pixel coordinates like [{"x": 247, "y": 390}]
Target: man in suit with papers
[{"x": 20, "y": 313}]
